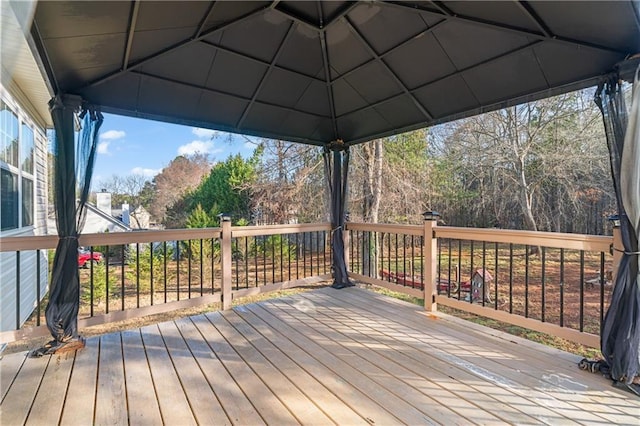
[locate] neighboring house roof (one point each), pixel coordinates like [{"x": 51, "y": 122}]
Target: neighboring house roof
[{"x": 92, "y": 210}]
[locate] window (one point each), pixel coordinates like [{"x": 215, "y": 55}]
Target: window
[
  {"x": 27, "y": 148},
  {"x": 27, "y": 202},
  {"x": 17, "y": 169},
  {"x": 9, "y": 206},
  {"x": 8, "y": 135}
]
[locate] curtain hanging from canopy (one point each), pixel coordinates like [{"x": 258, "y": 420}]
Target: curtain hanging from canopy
[
  {"x": 336, "y": 167},
  {"x": 620, "y": 333},
  {"x": 74, "y": 158}
]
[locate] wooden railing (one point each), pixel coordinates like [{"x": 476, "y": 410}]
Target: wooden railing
[
  {"x": 555, "y": 283},
  {"x": 151, "y": 272}
]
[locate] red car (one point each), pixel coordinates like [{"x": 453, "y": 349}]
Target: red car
[{"x": 85, "y": 256}]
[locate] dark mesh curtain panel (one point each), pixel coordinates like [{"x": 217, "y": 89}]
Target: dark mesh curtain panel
[
  {"x": 73, "y": 163},
  {"x": 620, "y": 334},
  {"x": 336, "y": 166}
]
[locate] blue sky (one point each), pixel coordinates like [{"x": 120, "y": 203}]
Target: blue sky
[{"x": 136, "y": 146}]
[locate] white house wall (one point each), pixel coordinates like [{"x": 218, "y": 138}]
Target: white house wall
[
  {"x": 28, "y": 271},
  {"x": 28, "y": 287}
]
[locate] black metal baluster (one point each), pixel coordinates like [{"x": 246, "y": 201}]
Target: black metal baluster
[
  {"x": 484, "y": 271},
  {"x": 137, "y": 275},
  {"x": 189, "y": 256},
  {"x": 38, "y": 277},
  {"x": 543, "y": 278},
  {"x": 151, "y": 274},
  {"x": 255, "y": 261},
  {"x": 122, "y": 285},
  {"x": 201, "y": 267},
  {"x": 526, "y": 281},
  {"x": 602, "y": 283},
  {"x": 91, "y": 281},
  {"x": 213, "y": 269},
  {"x": 106, "y": 274},
  {"x": 458, "y": 274},
  {"x": 439, "y": 274},
  {"x": 164, "y": 244},
  {"x": 264, "y": 258},
  {"x": 297, "y": 255},
  {"x": 404, "y": 258},
  {"x": 581, "y": 290},
  {"x": 448, "y": 268},
  {"x": 510, "y": 278},
  {"x": 17, "y": 290},
  {"x": 178, "y": 269},
  {"x": 471, "y": 275},
  {"x": 561, "y": 287},
  {"x": 495, "y": 278}
]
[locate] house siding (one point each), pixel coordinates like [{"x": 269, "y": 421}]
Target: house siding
[{"x": 15, "y": 312}]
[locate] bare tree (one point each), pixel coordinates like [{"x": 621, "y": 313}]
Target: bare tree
[
  {"x": 183, "y": 174},
  {"x": 536, "y": 165},
  {"x": 288, "y": 185}
]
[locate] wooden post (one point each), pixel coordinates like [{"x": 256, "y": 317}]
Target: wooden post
[
  {"x": 430, "y": 259},
  {"x": 225, "y": 248}
]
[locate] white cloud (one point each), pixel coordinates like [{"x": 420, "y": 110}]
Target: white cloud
[
  {"x": 112, "y": 135},
  {"x": 203, "y": 133},
  {"x": 103, "y": 147},
  {"x": 202, "y": 147},
  {"x": 145, "y": 172}
]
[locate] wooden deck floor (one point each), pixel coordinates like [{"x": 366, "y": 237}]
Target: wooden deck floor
[{"x": 324, "y": 357}]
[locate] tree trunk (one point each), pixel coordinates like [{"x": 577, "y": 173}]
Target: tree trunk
[{"x": 372, "y": 190}]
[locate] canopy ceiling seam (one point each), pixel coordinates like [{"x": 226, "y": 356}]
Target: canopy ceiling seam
[
  {"x": 321, "y": 26},
  {"x": 525, "y": 7},
  {"x": 456, "y": 70},
  {"x": 133, "y": 19},
  {"x": 172, "y": 48},
  {"x": 266, "y": 74},
  {"x": 390, "y": 50},
  {"x": 205, "y": 19},
  {"x": 258, "y": 60},
  {"x": 327, "y": 74},
  {"x": 387, "y": 68},
  {"x": 221, "y": 92},
  {"x": 439, "y": 79},
  {"x": 450, "y": 16}
]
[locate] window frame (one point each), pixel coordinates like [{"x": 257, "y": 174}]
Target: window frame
[{"x": 25, "y": 221}]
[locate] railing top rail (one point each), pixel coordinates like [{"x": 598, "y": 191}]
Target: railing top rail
[
  {"x": 532, "y": 238},
  {"x": 386, "y": 227},
  {"x": 42, "y": 242},
  {"x": 22, "y": 243},
  {"x": 249, "y": 231}
]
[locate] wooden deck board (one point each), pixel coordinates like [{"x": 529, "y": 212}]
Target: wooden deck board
[
  {"x": 141, "y": 396},
  {"x": 9, "y": 367},
  {"x": 462, "y": 350},
  {"x": 271, "y": 409},
  {"x": 173, "y": 403},
  {"x": 322, "y": 357},
  {"x": 111, "y": 394},
  {"x": 256, "y": 333},
  {"x": 419, "y": 371},
  {"x": 16, "y": 404},
  {"x": 81, "y": 395},
  {"x": 49, "y": 405},
  {"x": 204, "y": 404}
]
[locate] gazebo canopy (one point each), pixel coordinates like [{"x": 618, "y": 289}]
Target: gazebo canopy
[{"x": 315, "y": 72}]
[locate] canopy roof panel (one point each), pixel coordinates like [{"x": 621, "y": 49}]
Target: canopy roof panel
[{"x": 315, "y": 71}]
